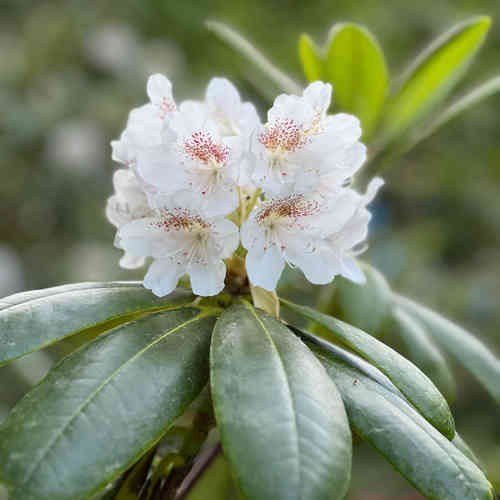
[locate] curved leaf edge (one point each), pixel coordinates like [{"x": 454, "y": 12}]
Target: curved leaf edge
[
  {"x": 204, "y": 312},
  {"x": 444, "y": 423},
  {"x": 253, "y": 310},
  {"x": 105, "y": 326},
  {"x": 417, "y": 417}
]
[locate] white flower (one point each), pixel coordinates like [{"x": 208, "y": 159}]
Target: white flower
[
  {"x": 128, "y": 203},
  {"x": 195, "y": 162},
  {"x": 224, "y": 105},
  {"x": 301, "y": 148},
  {"x": 145, "y": 123},
  {"x": 181, "y": 241},
  {"x": 316, "y": 235}
]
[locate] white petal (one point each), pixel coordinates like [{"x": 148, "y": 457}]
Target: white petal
[
  {"x": 318, "y": 95},
  {"x": 316, "y": 266},
  {"x": 223, "y": 94},
  {"x": 159, "y": 166},
  {"x": 354, "y": 231},
  {"x": 249, "y": 119},
  {"x": 130, "y": 262},
  {"x": 122, "y": 178},
  {"x": 222, "y": 201},
  {"x": 338, "y": 131},
  {"x": 144, "y": 126},
  {"x": 226, "y": 234},
  {"x": 340, "y": 209},
  {"x": 342, "y": 163},
  {"x": 352, "y": 271},
  {"x": 120, "y": 150},
  {"x": 162, "y": 276},
  {"x": 192, "y": 117},
  {"x": 252, "y": 234},
  {"x": 113, "y": 212},
  {"x": 293, "y": 108},
  {"x": 142, "y": 238},
  {"x": 159, "y": 88},
  {"x": 237, "y": 146},
  {"x": 375, "y": 184},
  {"x": 207, "y": 280},
  {"x": 264, "y": 268}
]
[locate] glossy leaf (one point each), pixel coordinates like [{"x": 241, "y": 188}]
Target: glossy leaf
[
  {"x": 434, "y": 74},
  {"x": 33, "y": 320},
  {"x": 254, "y": 56},
  {"x": 356, "y": 68},
  {"x": 414, "y": 384},
  {"x": 424, "y": 352},
  {"x": 102, "y": 407},
  {"x": 459, "y": 343},
  {"x": 311, "y": 59},
  {"x": 282, "y": 424},
  {"x": 348, "y": 357},
  {"x": 364, "y": 306},
  {"x": 424, "y": 456}
]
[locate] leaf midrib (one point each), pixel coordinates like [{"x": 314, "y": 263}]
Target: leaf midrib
[
  {"x": 83, "y": 405},
  {"x": 128, "y": 317},
  {"x": 292, "y": 403}
]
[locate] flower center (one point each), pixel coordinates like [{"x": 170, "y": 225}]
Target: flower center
[
  {"x": 291, "y": 208},
  {"x": 181, "y": 219},
  {"x": 283, "y": 135},
  {"x": 202, "y": 147}
]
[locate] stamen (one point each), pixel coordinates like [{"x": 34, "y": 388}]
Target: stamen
[
  {"x": 291, "y": 207},
  {"x": 202, "y": 147},
  {"x": 180, "y": 219},
  {"x": 166, "y": 107},
  {"x": 283, "y": 134}
]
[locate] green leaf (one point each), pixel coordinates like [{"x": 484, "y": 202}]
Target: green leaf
[
  {"x": 252, "y": 54},
  {"x": 102, "y": 407},
  {"x": 350, "y": 358},
  {"x": 310, "y": 57},
  {"x": 462, "y": 345},
  {"x": 356, "y": 68},
  {"x": 364, "y": 306},
  {"x": 459, "y": 106},
  {"x": 434, "y": 74},
  {"x": 282, "y": 424},
  {"x": 424, "y": 456},
  {"x": 424, "y": 352},
  {"x": 30, "y": 321},
  {"x": 415, "y": 385}
]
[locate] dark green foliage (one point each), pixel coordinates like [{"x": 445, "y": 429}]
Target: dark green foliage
[
  {"x": 104, "y": 405},
  {"x": 283, "y": 426}
]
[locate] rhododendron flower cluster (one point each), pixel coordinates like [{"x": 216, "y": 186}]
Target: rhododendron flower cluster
[{"x": 205, "y": 179}]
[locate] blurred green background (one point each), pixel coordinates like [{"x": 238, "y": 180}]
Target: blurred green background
[{"x": 71, "y": 71}]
